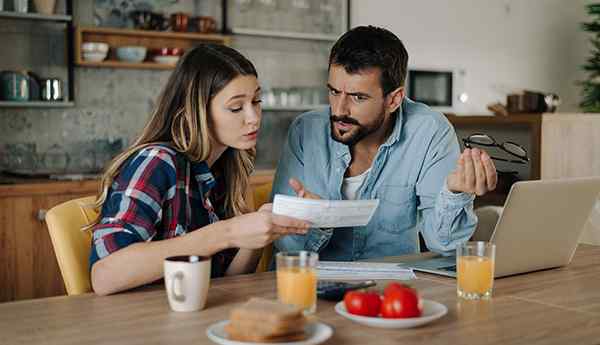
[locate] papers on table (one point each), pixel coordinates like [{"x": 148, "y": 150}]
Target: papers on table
[
  {"x": 343, "y": 270},
  {"x": 326, "y": 213}
]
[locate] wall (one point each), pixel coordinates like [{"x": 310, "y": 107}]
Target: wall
[{"x": 504, "y": 45}]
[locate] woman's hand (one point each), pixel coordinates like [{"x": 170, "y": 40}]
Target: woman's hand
[{"x": 258, "y": 229}]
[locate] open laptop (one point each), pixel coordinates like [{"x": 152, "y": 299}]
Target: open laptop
[{"x": 539, "y": 228}]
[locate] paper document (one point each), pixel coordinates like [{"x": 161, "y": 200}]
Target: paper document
[
  {"x": 326, "y": 213},
  {"x": 342, "y": 270}
]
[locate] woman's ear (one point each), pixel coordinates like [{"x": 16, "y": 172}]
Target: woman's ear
[{"x": 394, "y": 99}]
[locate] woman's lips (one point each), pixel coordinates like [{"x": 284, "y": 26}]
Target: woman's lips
[{"x": 251, "y": 135}]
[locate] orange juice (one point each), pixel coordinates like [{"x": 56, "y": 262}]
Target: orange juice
[
  {"x": 298, "y": 286},
  {"x": 475, "y": 275}
]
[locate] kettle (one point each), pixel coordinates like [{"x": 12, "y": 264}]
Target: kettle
[{"x": 14, "y": 86}]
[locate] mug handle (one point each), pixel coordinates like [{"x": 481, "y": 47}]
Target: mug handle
[{"x": 178, "y": 276}]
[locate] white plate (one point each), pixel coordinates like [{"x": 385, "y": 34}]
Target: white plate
[
  {"x": 431, "y": 311},
  {"x": 317, "y": 332},
  {"x": 166, "y": 59}
]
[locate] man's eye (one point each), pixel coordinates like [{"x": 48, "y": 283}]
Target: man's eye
[
  {"x": 334, "y": 92},
  {"x": 359, "y": 98}
]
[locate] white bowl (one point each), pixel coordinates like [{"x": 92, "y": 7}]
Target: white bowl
[
  {"x": 131, "y": 53},
  {"x": 94, "y": 56},
  {"x": 431, "y": 311},
  {"x": 94, "y": 47},
  {"x": 166, "y": 59}
]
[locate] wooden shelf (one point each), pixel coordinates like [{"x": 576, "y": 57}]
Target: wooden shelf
[
  {"x": 35, "y": 16},
  {"x": 277, "y": 34},
  {"x": 522, "y": 119},
  {"x": 123, "y": 64},
  {"x": 35, "y": 104},
  {"x": 147, "y": 38}
]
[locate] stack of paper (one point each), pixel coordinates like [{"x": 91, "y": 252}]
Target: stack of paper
[{"x": 344, "y": 270}]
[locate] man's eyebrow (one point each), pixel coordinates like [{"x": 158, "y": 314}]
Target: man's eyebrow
[{"x": 361, "y": 94}]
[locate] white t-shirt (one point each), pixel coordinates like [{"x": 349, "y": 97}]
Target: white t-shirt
[{"x": 350, "y": 185}]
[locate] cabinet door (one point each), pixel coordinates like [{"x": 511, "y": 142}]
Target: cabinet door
[{"x": 28, "y": 267}]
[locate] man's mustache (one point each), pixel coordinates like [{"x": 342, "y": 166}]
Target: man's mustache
[{"x": 344, "y": 118}]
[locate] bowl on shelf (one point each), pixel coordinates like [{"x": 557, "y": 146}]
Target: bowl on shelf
[
  {"x": 94, "y": 47},
  {"x": 131, "y": 53},
  {"x": 94, "y": 56},
  {"x": 166, "y": 59}
]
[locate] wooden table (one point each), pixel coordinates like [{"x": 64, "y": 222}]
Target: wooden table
[{"x": 559, "y": 306}]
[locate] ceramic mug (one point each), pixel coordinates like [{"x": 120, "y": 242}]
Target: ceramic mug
[
  {"x": 187, "y": 279},
  {"x": 179, "y": 22}
]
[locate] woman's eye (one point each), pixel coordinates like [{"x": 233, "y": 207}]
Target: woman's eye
[
  {"x": 257, "y": 101},
  {"x": 236, "y": 110}
]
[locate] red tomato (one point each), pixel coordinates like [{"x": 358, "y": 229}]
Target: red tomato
[
  {"x": 362, "y": 303},
  {"x": 394, "y": 287},
  {"x": 401, "y": 303}
]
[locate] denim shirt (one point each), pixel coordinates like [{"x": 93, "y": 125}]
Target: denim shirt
[{"x": 407, "y": 175}]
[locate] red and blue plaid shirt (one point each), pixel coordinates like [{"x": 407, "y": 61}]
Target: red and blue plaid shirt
[{"x": 158, "y": 194}]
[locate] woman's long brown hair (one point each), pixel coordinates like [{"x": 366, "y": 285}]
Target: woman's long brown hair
[{"x": 180, "y": 120}]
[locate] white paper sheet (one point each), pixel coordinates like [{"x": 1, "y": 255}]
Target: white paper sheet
[
  {"x": 339, "y": 270},
  {"x": 326, "y": 213}
]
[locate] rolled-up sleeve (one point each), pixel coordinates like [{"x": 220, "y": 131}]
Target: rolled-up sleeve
[{"x": 133, "y": 208}]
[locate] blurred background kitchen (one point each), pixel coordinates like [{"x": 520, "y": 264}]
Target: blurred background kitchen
[{"x": 78, "y": 79}]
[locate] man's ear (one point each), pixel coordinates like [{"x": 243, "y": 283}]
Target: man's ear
[{"x": 394, "y": 99}]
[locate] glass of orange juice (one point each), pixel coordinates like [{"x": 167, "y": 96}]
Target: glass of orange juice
[
  {"x": 475, "y": 270},
  {"x": 297, "y": 279}
]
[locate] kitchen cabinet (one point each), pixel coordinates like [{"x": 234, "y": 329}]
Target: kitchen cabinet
[{"x": 28, "y": 267}]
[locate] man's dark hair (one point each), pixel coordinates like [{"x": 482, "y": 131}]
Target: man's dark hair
[{"x": 368, "y": 46}]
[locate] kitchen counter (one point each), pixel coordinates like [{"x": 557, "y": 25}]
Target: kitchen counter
[{"x": 11, "y": 185}]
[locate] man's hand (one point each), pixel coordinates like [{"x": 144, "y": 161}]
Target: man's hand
[
  {"x": 301, "y": 191},
  {"x": 475, "y": 173}
]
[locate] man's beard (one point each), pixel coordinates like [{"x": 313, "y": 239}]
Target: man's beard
[{"x": 359, "y": 131}]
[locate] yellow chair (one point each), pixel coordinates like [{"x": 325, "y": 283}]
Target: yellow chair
[
  {"x": 72, "y": 245},
  {"x": 261, "y": 195}
]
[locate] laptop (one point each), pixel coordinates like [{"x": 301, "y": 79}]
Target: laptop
[{"x": 539, "y": 228}]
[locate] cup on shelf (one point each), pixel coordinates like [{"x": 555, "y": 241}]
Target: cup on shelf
[
  {"x": 45, "y": 6},
  {"x": 180, "y": 21},
  {"x": 205, "y": 24}
]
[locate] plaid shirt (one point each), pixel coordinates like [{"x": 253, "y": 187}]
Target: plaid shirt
[{"x": 158, "y": 194}]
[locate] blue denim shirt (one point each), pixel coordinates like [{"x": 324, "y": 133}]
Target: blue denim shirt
[{"x": 408, "y": 176}]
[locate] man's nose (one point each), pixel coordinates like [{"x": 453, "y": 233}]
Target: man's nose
[{"x": 339, "y": 105}]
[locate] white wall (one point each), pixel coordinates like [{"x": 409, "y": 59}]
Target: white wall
[{"x": 504, "y": 45}]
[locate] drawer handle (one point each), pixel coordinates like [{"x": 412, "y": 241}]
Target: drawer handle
[{"x": 41, "y": 214}]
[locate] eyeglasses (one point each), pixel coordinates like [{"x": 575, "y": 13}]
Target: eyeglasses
[{"x": 509, "y": 147}]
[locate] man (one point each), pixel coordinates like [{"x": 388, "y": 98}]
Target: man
[{"x": 374, "y": 143}]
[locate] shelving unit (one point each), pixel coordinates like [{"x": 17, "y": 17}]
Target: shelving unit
[
  {"x": 35, "y": 104},
  {"x": 35, "y": 16},
  {"x": 147, "y": 38},
  {"x": 67, "y": 20}
]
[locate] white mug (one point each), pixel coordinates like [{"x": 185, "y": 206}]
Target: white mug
[{"x": 187, "y": 279}]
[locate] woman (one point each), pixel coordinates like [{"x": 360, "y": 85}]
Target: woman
[{"x": 188, "y": 169}]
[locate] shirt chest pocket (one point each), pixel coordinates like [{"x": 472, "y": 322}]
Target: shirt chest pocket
[{"x": 397, "y": 210}]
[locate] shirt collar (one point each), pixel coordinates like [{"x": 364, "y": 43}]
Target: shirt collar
[{"x": 343, "y": 149}]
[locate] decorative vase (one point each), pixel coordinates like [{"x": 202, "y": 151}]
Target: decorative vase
[{"x": 45, "y": 6}]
